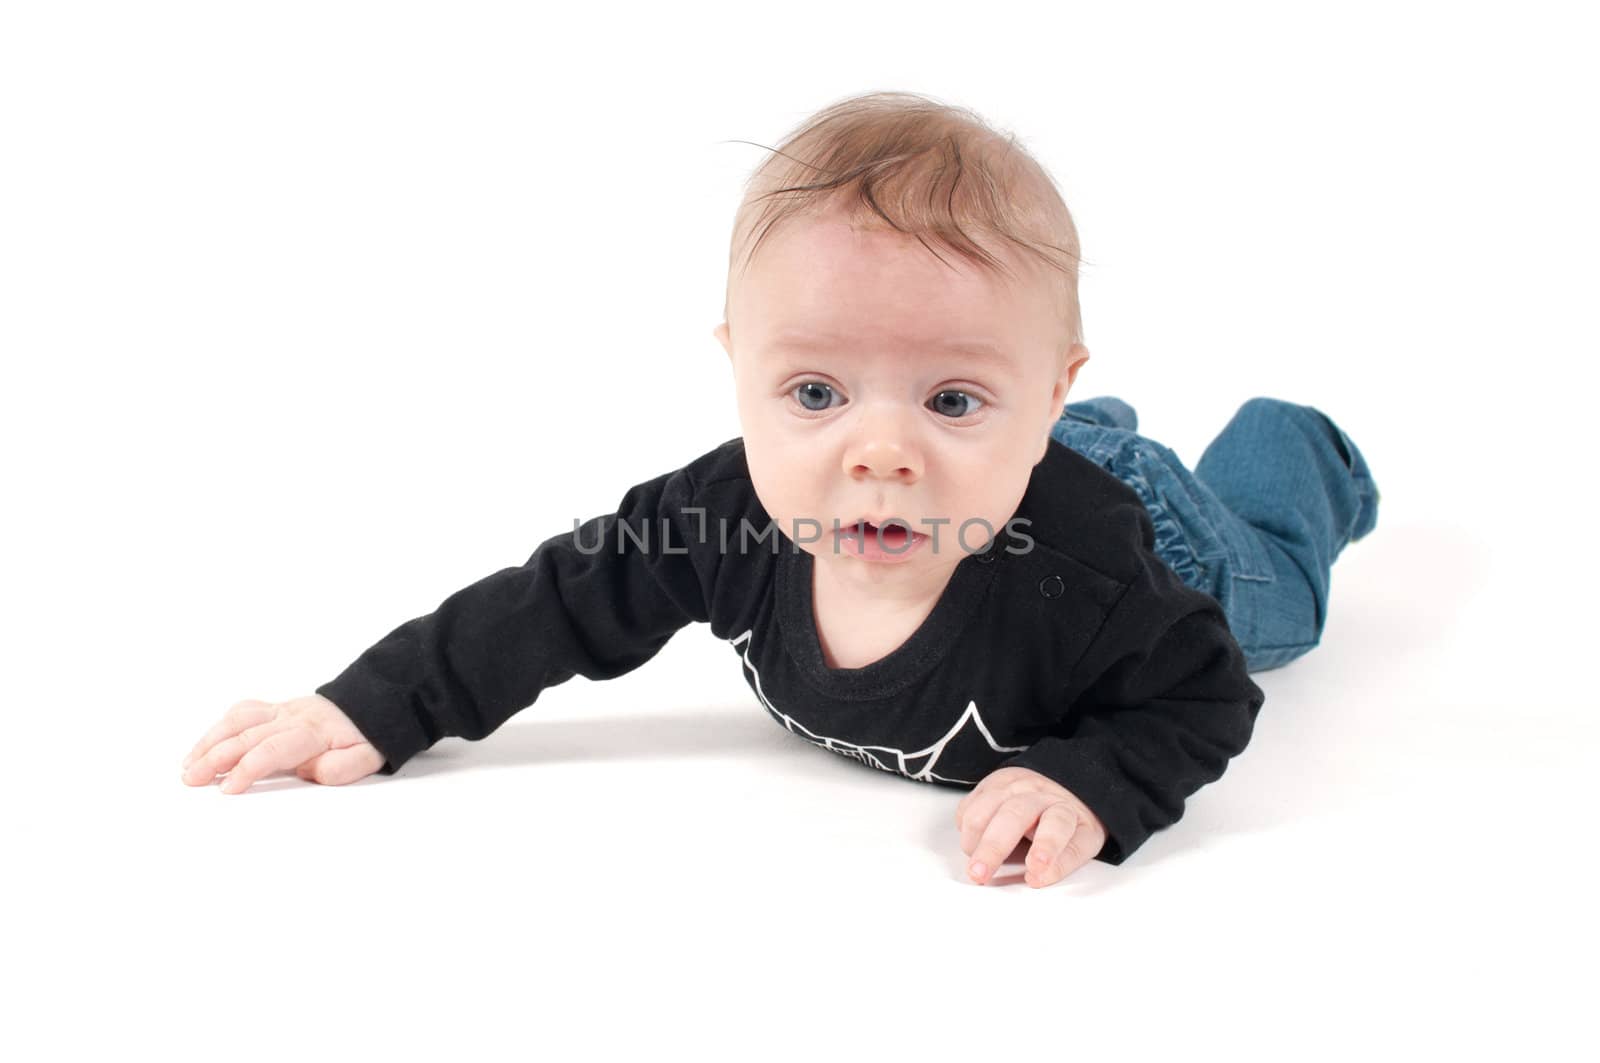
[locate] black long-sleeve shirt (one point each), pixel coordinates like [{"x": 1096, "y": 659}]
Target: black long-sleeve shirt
[{"x": 1067, "y": 647}]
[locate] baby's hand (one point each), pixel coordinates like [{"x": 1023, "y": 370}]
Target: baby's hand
[
  {"x": 310, "y": 736},
  {"x": 1013, "y": 803}
]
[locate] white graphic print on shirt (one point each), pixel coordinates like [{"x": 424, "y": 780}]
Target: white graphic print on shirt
[{"x": 899, "y": 761}]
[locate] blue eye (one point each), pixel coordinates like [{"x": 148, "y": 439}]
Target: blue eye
[
  {"x": 815, "y": 390},
  {"x": 816, "y": 397},
  {"x": 947, "y": 406}
]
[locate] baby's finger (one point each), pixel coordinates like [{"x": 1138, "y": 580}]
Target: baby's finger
[
  {"x": 1007, "y": 827},
  {"x": 990, "y": 791},
  {"x": 1058, "y": 845},
  {"x": 980, "y": 808},
  {"x": 241, "y": 715},
  {"x": 283, "y": 750},
  {"x": 969, "y": 797},
  {"x": 225, "y": 754}
]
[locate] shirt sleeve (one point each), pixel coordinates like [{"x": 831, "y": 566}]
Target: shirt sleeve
[
  {"x": 597, "y": 601},
  {"x": 1167, "y": 704}
]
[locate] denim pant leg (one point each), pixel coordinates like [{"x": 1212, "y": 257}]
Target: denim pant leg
[
  {"x": 1104, "y": 410},
  {"x": 1298, "y": 490},
  {"x": 1257, "y": 525}
]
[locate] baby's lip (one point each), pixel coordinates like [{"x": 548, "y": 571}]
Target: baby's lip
[{"x": 879, "y": 522}]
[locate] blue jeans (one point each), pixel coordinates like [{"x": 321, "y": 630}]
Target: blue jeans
[{"x": 1257, "y": 525}]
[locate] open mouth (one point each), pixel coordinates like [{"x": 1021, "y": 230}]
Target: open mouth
[{"x": 893, "y": 536}]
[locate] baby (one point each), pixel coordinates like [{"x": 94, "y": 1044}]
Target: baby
[{"x": 923, "y": 557}]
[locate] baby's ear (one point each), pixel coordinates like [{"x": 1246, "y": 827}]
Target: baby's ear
[{"x": 1076, "y": 356}]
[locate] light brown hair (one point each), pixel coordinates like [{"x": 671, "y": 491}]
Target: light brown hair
[{"x": 926, "y": 168}]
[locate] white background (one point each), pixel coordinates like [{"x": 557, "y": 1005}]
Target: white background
[{"x": 313, "y": 312}]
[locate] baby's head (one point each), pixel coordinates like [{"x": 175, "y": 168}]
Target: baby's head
[{"x": 902, "y": 320}]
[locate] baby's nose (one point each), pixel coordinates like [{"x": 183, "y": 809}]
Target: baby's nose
[{"x": 886, "y": 457}]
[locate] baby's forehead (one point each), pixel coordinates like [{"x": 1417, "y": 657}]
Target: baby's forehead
[
  {"x": 827, "y": 281},
  {"x": 833, "y": 238},
  {"x": 859, "y": 249}
]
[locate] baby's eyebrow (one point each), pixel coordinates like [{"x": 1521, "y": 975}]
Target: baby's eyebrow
[{"x": 982, "y": 349}]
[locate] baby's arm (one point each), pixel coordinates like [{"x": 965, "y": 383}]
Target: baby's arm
[
  {"x": 1165, "y": 702},
  {"x": 492, "y": 647}
]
